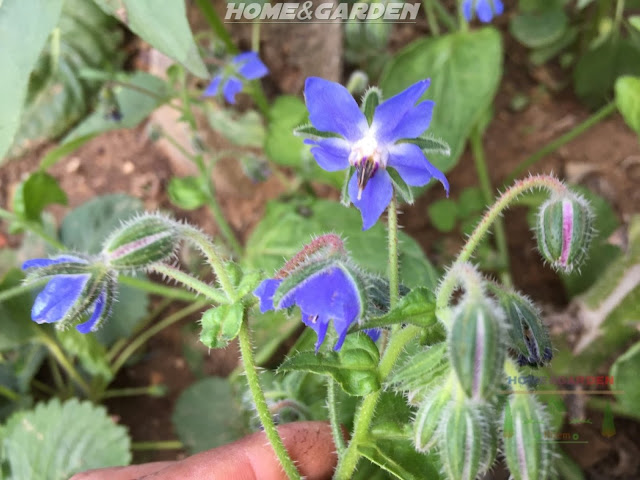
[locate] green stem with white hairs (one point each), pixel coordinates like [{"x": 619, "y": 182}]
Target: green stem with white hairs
[
  {"x": 449, "y": 282},
  {"x": 211, "y": 293}
]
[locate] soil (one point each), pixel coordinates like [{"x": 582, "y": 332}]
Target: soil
[{"x": 606, "y": 159}]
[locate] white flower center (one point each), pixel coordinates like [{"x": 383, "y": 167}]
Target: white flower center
[{"x": 367, "y": 156}]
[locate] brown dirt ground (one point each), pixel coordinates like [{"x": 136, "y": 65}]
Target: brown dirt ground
[{"x": 125, "y": 161}]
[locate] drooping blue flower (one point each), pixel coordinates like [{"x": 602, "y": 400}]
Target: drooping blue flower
[
  {"x": 485, "y": 9},
  {"x": 72, "y": 291},
  {"x": 330, "y": 294},
  {"x": 242, "y": 68},
  {"x": 371, "y": 148}
]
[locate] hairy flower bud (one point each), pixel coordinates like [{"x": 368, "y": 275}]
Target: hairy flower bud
[
  {"x": 527, "y": 454},
  {"x": 428, "y": 418},
  {"x": 564, "y": 229},
  {"x": 527, "y": 334},
  {"x": 475, "y": 346},
  {"x": 141, "y": 242}
]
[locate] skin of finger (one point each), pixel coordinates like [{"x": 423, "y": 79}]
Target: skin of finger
[
  {"x": 122, "y": 473},
  {"x": 310, "y": 444}
]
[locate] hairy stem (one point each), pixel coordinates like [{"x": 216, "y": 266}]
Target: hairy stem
[
  {"x": 63, "y": 361},
  {"x": 338, "y": 439},
  {"x": 213, "y": 294}
]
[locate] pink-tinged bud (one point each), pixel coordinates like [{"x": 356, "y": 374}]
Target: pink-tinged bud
[{"x": 564, "y": 229}]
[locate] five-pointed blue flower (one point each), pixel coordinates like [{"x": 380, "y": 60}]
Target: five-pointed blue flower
[
  {"x": 243, "y": 67},
  {"x": 64, "y": 296},
  {"x": 371, "y": 149},
  {"x": 485, "y": 9},
  {"x": 329, "y": 294}
]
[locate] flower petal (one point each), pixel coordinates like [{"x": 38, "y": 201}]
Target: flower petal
[
  {"x": 58, "y": 297},
  {"x": 332, "y": 154},
  {"x": 213, "y": 87},
  {"x": 484, "y": 10},
  {"x": 333, "y": 109},
  {"x": 390, "y": 113},
  {"x": 98, "y": 308},
  {"x": 498, "y": 7},
  {"x": 415, "y": 122},
  {"x": 466, "y": 9},
  {"x": 250, "y": 65},
  {"x": 414, "y": 168},
  {"x": 45, "y": 262},
  {"x": 375, "y": 197},
  {"x": 265, "y": 292},
  {"x": 232, "y": 87},
  {"x": 318, "y": 324},
  {"x": 373, "y": 333}
]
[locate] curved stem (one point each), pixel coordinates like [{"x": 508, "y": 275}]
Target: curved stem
[
  {"x": 444, "y": 15},
  {"x": 199, "y": 286},
  {"x": 338, "y": 439},
  {"x": 431, "y": 17},
  {"x": 212, "y": 18},
  {"x": 157, "y": 289},
  {"x": 64, "y": 362},
  {"x": 448, "y": 284},
  {"x": 246, "y": 351},
  {"x": 147, "y": 334},
  {"x": 392, "y": 222}
]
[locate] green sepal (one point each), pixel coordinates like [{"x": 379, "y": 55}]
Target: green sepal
[
  {"x": 344, "y": 191},
  {"x": 221, "y": 324},
  {"x": 96, "y": 284},
  {"x": 354, "y": 367},
  {"x": 415, "y": 308},
  {"x": 420, "y": 371},
  {"x": 370, "y": 101},
  {"x": 309, "y": 131},
  {"x": 429, "y": 143},
  {"x": 461, "y": 441},
  {"x": 400, "y": 186},
  {"x": 428, "y": 418}
]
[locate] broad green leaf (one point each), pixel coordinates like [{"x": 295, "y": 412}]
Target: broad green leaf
[
  {"x": 539, "y": 29},
  {"x": 598, "y": 69},
  {"x": 35, "y": 193},
  {"x": 165, "y": 28},
  {"x": 91, "y": 354},
  {"x": 22, "y": 36},
  {"x": 221, "y": 324},
  {"x": 417, "y": 308},
  {"x": 287, "y": 226},
  {"x": 393, "y": 417},
  {"x": 84, "y": 38},
  {"x": 284, "y": 148},
  {"x": 16, "y": 326},
  {"x": 465, "y": 69},
  {"x": 206, "y": 415},
  {"x": 134, "y": 105},
  {"x": 54, "y": 441},
  {"x": 443, "y": 214},
  {"x": 84, "y": 229},
  {"x": 634, "y": 20},
  {"x": 244, "y": 129},
  {"x": 628, "y": 100},
  {"x": 187, "y": 193},
  {"x": 354, "y": 367},
  {"x": 400, "y": 459},
  {"x": 625, "y": 372}
]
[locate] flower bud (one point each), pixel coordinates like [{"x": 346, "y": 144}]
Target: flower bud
[
  {"x": 462, "y": 441},
  {"x": 428, "y": 418},
  {"x": 527, "y": 334},
  {"x": 564, "y": 229},
  {"x": 475, "y": 346},
  {"x": 142, "y": 242},
  {"x": 527, "y": 454}
]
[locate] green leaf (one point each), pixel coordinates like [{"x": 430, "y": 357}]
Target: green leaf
[
  {"x": 54, "y": 441},
  {"x": 471, "y": 201},
  {"x": 284, "y": 148},
  {"x": 16, "y": 326},
  {"x": 465, "y": 69},
  {"x": 166, "y": 28},
  {"x": 539, "y": 29},
  {"x": 421, "y": 369},
  {"x": 634, "y": 20},
  {"x": 400, "y": 186},
  {"x": 35, "y": 193},
  {"x": 130, "y": 309},
  {"x": 206, "y": 415},
  {"x": 443, "y": 214},
  {"x": 135, "y": 106},
  {"x": 85, "y": 38},
  {"x": 187, "y": 193},
  {"x": 628, "y": 100},
  {"x": 430, "y": 144},
  {"x": 598, "y": 69},
  {"x": 287, "y": 226},
  {"x": 90, "y": 353},
  {"x": 371, "y": 99},
  {"x": 625, "y": 372},
  {"x": 221, "y": 324},
  {"x": 354, "y": 367},
  {"x": 245, "y": 129},
  {"x": 418, "y": 307},
  {"x": 61, "y": 151},
  {"x": 399, "y": 458},
  {"x": 22, "y": 36}
]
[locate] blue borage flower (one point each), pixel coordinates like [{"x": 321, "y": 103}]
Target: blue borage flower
[
  {"x": 371, "y": 145},
  {"x": 75, "y": 288},
  {"x": 485, "y": 9},
  {"x": 243, "y": 67}
]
